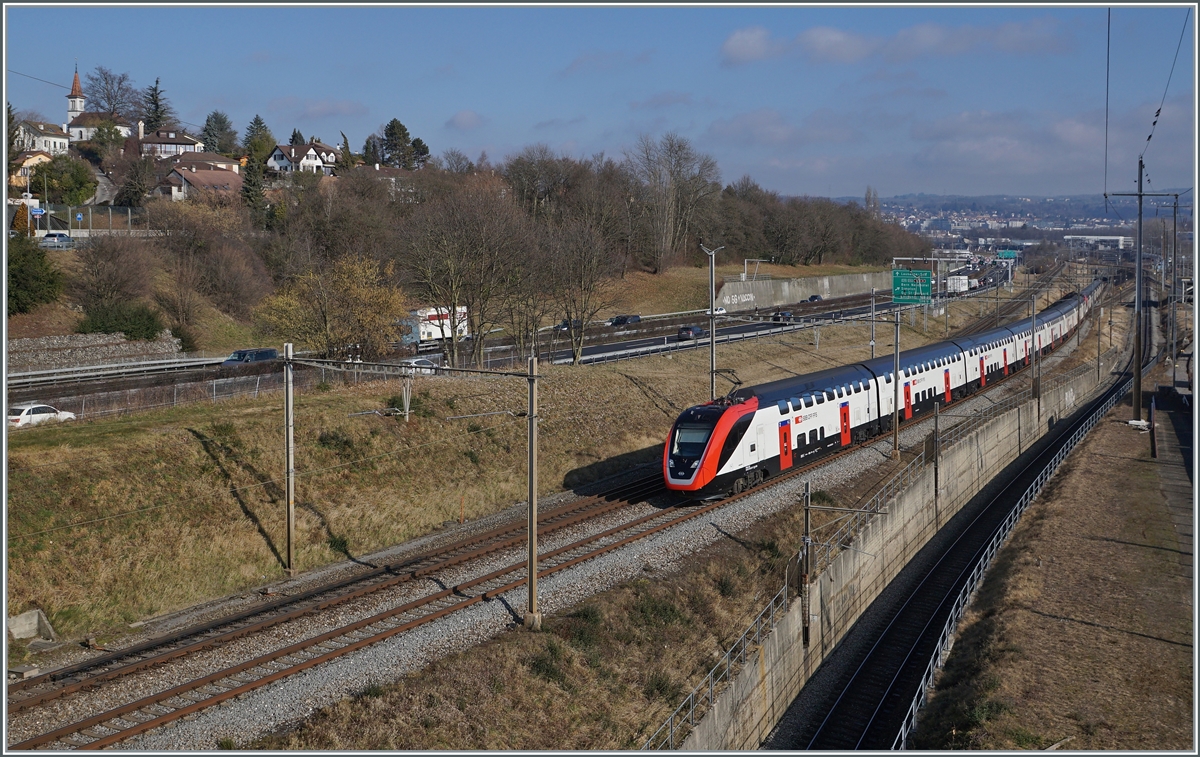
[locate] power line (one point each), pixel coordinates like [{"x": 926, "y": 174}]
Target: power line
[
  {"x": 1158, "y": 112},
  {"x": 43, "y": 81}
]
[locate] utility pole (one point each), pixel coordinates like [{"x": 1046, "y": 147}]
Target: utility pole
[
  {"x": 1035, "y": 345},
  {"x": 872, "y": 323},
  {"x": 533, "y": 618},
  {"x": 806, "y": 564},
  {"x": 1174, "y": 270},
  {"x": 712, "y": 320},
  {"x": 289, "y": 457},
  {"x": 1137, "y": 298},
  {"x": 896, "y": 391},
  {"x": 937, "y": 455}
]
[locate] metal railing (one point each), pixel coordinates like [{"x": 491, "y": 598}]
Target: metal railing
[
  {"x": 108, "y": 370},
  {"x": 680, "y": 722},
  {"x": 985, "y": 561}
]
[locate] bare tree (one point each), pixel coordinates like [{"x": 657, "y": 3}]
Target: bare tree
[
  {"x": 112, "y": 270},
  {"x": 458, "y": 252},
  {"x": 676, "y": 183},
  {"x": 584, "y": 273},
  {"x": 112, "y": 94}
]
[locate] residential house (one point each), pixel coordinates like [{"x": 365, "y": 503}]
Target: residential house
[
  {"x": 34, "y": 136},
  {"x": 184, "y": 183},
  {"x": 81, "y": 125},
  {"x": 399, "y": 180},
  {"x": 210, "y": 159},
  {"x": 26, "y": 162},
  {"x": 169, "y": 142},
  {"x": 313, "y": 157}
]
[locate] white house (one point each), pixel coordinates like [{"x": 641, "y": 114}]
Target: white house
[
  {"x": 33, "y": 136},
  {"x": 314, "y": 157}
]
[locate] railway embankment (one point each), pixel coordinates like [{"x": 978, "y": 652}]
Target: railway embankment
[{"x": 746, "y": 712}]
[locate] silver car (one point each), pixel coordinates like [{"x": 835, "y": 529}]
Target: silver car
[{"x": 56, "y": 241}]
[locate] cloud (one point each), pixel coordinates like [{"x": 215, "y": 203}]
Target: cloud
[
  {"x": 305, "y": 109},
  {"x": 827, "y": 44},
  {"x": 663, "y": 100},
  {"x": 750, "y": 44},
  {"x": 600, "y": 61},
  {"x": 465, "y": 120},
  {"x": 768, "y": 127}
]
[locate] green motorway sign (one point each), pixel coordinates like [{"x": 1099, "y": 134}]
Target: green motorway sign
[
  {"x": 911, "y": 287},
  {"x": 1007, "y": 254}
]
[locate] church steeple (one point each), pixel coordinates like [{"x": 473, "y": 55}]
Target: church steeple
[{"x": 76, "y": 99}]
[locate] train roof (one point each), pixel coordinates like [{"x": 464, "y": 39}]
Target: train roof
[{"x": 798, "y": 386}]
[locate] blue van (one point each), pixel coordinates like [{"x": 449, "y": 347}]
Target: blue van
[{"x": 243, "y": 357}]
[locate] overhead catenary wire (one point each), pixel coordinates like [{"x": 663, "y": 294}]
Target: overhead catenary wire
[{"x": 1187, "y": 16}]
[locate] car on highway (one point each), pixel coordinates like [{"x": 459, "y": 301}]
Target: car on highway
[
  {"x": 624, "y": 320},
  {"x": 690, "y": 332},
  {"x": 33, "y": 413},
  {"x": 815, "y": 298},
  {"x": 567, "y": 325},
  {"x": 718, "y": 311},
  {"x": 420, "y": 365},
  {"x": 244, "y": 357},
  {"x": 56, "y": 241},
  {"x": 783, "y": 315}
]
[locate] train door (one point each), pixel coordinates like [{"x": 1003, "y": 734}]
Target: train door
[
  {"x": 761, "y": 446},
  {"x": 907, "y": 400},
  {"x": 946, "y": 380},
  {"x": 1005, "y": 361},
  {"x": 785, "y": 444},
  {"x": 982, "y": 373},
  {"x": 1027, "y": 352},
  {"x": 845, "y": 422}
]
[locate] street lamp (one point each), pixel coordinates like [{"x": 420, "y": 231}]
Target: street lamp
[{"x": 712, "y": 320}]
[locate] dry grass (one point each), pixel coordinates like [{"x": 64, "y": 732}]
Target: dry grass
[
  {"x": 203, "y": 482},
  {"x": 602, "y": 676},
  {"x": 1083, "y": 629}
]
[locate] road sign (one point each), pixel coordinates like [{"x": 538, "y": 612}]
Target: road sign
[
  {"x": 37, "y": 211},
  {"x": 911, "y": 287},
  {"x": 79, "y": 216},
  {"x": 1011, "y": 254}
]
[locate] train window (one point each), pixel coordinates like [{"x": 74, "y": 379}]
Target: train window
[
  {"x": 821, "y": 430},
  {"x": 783, "y": 407}
]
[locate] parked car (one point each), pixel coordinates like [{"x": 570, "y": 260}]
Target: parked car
[
  {"x": 242, "y": 357},
  {"x": 718, "y": 311},
  {"x": 420, "y": 365},
  {"x": 624, "y": 320},
  {"x": 690, "y": 332},
  {"x": 57, "y": 241},
  {"x": 32, "y": 413},
  {"x": 783, "y": 315},
  {"x": 815, "y": 298}
]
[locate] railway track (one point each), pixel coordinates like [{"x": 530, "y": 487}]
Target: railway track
[
  {"x": 875, "y": 692},
  {"x": 146, "y": 713}
]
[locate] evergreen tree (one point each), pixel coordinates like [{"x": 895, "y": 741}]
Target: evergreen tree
[
  {"x": 259, "y": 141},
  {"x": 156, "y": 109},
  {"x": 420, "y": 153},
  {"x": 297, "y": 138},
  {"x": 372, "y": 153},
  {"x": 397, "y": 144},
  {"x": 252, "y": 192},
  {"x": 13, "y": 151},
  {"x": 219, "y": 134},
  {"x": 32, "y": 280},
  {"x": 345, "y": 161}
]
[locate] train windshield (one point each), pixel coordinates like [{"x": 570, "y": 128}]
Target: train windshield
[{"x": 690, "y": 439}]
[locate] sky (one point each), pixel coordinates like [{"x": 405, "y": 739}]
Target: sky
[{"x": 803, "y": 99}]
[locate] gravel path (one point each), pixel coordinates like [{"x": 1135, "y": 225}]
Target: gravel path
[{"x": 294, "y": 698}]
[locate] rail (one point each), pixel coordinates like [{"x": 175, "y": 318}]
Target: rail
[
  {"x": 976, "y": 577},
  {"x": 701, "y": 698}
]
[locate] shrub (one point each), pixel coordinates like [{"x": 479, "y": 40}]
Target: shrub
[
  {"x": 31, "y": 279},
  {"x": 135, "y": 321}
]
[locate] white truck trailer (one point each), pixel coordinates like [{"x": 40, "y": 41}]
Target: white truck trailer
[{"x": 957, "y": 284}]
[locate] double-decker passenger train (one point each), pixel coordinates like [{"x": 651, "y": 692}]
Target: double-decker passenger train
[{"x": 735, "y": 442}]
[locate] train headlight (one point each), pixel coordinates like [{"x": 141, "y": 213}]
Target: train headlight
[{"x": 695, "y": 464}]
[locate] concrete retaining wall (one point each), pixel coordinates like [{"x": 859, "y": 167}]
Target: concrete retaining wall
[
  {"x": 744, "y": 714},
  {"x": 748, "y": 295}
]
